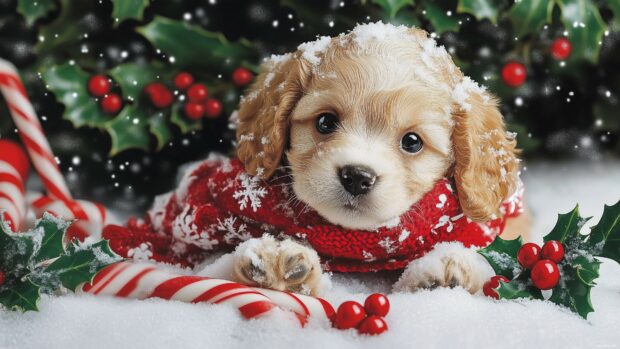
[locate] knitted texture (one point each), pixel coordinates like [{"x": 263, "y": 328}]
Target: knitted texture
[{"x": 217, "y": 206}]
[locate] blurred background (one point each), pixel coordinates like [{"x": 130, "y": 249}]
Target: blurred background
[{"x": 103, "y": 75}]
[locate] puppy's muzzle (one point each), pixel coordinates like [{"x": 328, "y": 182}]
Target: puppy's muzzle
[{"x": 357, "y": 179}]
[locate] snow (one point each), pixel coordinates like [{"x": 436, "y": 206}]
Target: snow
[
  {"x": 437, "y": 318},
  {"x": 310, "y": 50}
]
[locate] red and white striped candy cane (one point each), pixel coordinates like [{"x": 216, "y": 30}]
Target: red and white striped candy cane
[
  {"x": 13, "y": 173},
  {"x": 141, "y": 281},
  {"x": 38, "y": 147}
]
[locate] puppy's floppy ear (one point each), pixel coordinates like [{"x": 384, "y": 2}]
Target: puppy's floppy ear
[
  {"x": 486, "y": 167},
  {"x": 262, "y": 133}
]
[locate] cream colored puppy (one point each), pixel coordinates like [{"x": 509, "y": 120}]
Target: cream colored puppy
[{"x": 368, "y": 122}]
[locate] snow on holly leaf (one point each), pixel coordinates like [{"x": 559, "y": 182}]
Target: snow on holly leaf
[
  {"x": 578, "y": 269},
  {"x": 250, "y": 192},
  {"x": 36, "y": 262}
]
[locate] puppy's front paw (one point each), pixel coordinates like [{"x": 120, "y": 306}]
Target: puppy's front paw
[
  {"x": 279, "y": 265},
  {"x": 448, "y": 265}
]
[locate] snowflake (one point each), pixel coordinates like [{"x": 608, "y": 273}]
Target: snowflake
[
  {"x": 141, "y": 253},
  {"x": 388, "y": 245},
  {"x": 368, "y": 257},
  {"x": 250, "y": 192},
  {"x": 233, "y": 233}
]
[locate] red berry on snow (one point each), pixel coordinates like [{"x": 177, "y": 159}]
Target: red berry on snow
[
  {"x": 561, "y": 48},
  {"x": 198, "y": 93},
  {"x": 14, "y": 154},
  {"x": 513, "y": 74},
  {"x": 349, "y": 315},
  {"x": 111, "y": 103},
  {"x": 183, "y": 81},
  {"x": 98, "y": 85},
  {"x": 2, "y": 277},
  {"x": 194, "y": 111},
  {"x": 553, "y": 250},
  {"x": 373, "y": 325},
  {"x": 489, "y": 287},
  {"x": 213, "y": 108},
  {"x": 159, "y": 95},
  {"x": 377, "y": 304},
  {"x": 545, "y": 274},
  {"x": 528, "y": 255},
  {"x": 242, "y": 76}
]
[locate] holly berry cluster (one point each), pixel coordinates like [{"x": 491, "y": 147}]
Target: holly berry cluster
[
  {"x": 100, "y": 86},
  {"x": 514, "y": 73},
  {"x": 566, "y": 265},
  {"x": 367, "y": 319}
]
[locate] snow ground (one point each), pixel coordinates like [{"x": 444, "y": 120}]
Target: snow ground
[{"x": 438, "y": 318}]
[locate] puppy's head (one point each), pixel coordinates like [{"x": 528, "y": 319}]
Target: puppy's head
[{"x": 370, "y": 121}]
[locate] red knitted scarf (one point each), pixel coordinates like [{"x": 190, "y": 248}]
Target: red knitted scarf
[{"x": 218, "y": 205}]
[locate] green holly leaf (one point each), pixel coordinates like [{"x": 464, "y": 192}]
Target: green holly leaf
[
  {"x": 568, "y": 225},
  {"x": 605, "y": 236},
  {"x": 440, "y": 19},
  {"x": 159, "y": 127},
  {"x": 501, "y": 255},
  {"x": 132, "y": 77},
  {"x": 195, "y": 48},
  {"x": 586, "y": 268},
  {"x": 184, "y": 124},
  {"x": 52, "y": 232},
  {"x": 69, "y": 84},
  {"x": 517, "y": 289},
  {"x": 391, "y": 7},
  {"x": 529, "y": 16},
  {"x": 576, "y": 282},
  {"x": 585, "y": 28},
  {"x": 80, "y": 264},
  {"x": 130, "y": 129},
  {"x": 480, "y": 9},
  {"x": 35, "y": 9},
  {"x": 22, "y": 295},
  {"x": 15, "y": 249},
  {"x": 69, "y": 28},
  {"x": 126, "y": 9}
]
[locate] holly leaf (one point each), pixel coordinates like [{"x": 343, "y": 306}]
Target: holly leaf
[
  {"x": 391, "y": 7},
  {"x": 69, "y": 84},
  {"x": 529, "y": 16},
  {"x": 517, "y": 289},
  {"x": 33, "y": 10},
  {"x": 195, "y": 48},
  {"x": 605, "y": 235},
  {"x": 129, "y": 129},
  {"x": 439, "y": 18},
  {"x": 22, "y": 295},
  {"x": 159, "y": 127},
  {"x": 132, "y": 77},
  {"x": 585, "y": 28},
  {"x": 69, "y": 28},
  {"x": 15, "y": 249},
  {"x": 568, "y": 225},
  {"x": 184, "y": 124},
  {"x": 480, "y": 9},
  {"x": 80, "y": 264},
  {"x": 575, "y": 285},
  {"x": 53, "y": 231},
  {"x": 502, "y": 256},
  {"x": 126, "y": 9}
]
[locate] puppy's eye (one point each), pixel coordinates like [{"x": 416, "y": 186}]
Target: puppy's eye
[
  {"x": 411, "y": 143},
  {"x": 326, "y": 123}
]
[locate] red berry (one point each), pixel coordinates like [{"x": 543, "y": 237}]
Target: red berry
[
  {"x": 242, "y": 76},
  {"x": 159, "y": 95},
  {"x": 377, "y": 304},
  {"x": 513, "y": 74},
  {"x": 12, "y": 153},
  {"x": 111, "y": 103},
  {"x": 545, "y": 274},
  {"x": 183, "y": 81},
  {"x": 528, "y": 255},
  {"x": 373, "y": 325},
  {"x": 489, "y": 287},
  {"x": 198, "y": 93},
  {"x": 561, "y": 48},
  {"x": 553, "y": 250},
  {"x": 349, "y": 315},
  {"x": 2, "y": 277},
  {"x": 194, "y": 111},
  {"x": 98, "y": 85},
  {"x": 213, "y": 108}
]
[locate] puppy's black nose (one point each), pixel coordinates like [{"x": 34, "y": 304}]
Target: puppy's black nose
[{"x": 357, "y": 179}]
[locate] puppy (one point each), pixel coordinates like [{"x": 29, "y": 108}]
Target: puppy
[{"x": 367, "y": 123}]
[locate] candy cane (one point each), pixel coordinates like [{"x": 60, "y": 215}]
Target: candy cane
[
  {"x": 38, "y": 147},
  {"x": 141, "y": 281},
  {"x": 13, "y": 173}
]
